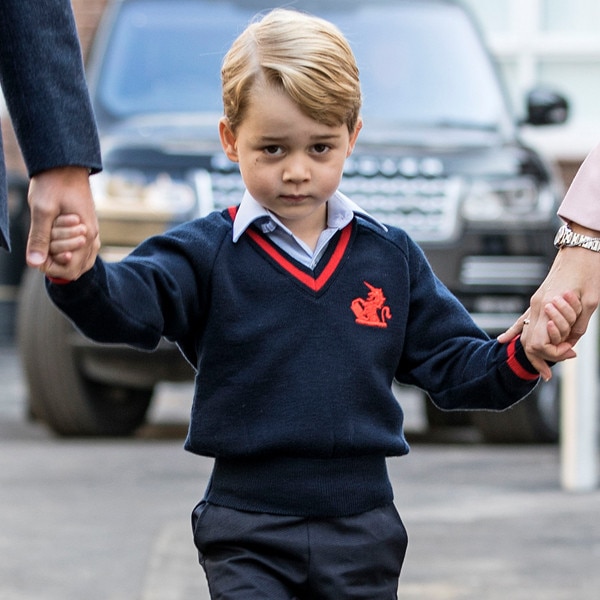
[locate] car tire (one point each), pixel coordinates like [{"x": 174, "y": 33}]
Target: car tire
[
  {"x": 60, "y": 394},
  {"x": 534, "y": 420}
]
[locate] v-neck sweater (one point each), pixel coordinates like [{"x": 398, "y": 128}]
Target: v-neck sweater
[{"x": 294, "y": 366}]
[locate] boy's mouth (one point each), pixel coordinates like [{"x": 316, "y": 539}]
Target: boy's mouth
[{"x": 293, "y": 198}]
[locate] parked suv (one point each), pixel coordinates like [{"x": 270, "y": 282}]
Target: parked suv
[{"x": 439, "y": 155}]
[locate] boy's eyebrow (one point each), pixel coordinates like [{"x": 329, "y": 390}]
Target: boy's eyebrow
[{"x": 318, "y": 137}]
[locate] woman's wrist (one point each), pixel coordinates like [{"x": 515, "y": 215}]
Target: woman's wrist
[{"x": 583, "y": 230}]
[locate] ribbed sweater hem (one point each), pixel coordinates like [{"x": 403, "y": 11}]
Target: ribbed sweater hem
[{"x": 310, "y": 487}]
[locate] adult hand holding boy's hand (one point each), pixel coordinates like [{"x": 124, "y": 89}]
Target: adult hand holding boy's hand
[
  {"x": 58, "y": 192},
  {"x": 549, "y": 337}
]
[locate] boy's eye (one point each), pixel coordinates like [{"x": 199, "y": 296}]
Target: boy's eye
[
  {"x": 272, "y": 149},
  {"x": 321, "y": 148}
]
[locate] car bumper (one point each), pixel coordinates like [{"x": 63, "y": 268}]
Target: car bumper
[{"x": 127, "y": 367}]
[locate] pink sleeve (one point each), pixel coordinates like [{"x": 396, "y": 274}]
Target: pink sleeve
[{"x": 582, "y": 200}]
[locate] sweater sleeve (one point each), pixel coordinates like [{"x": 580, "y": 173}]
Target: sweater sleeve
[
  {"x": 159, "y": 290},
  {"x": 42, "y": 76},
  {"x": 582, "y": 200},
  {"x": 451, "y": 358}
]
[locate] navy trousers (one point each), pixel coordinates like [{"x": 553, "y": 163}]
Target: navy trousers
[{"x": 256, "y": 556}]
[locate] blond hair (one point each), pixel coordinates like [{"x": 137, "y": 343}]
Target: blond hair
[{"x": 305, "y": 56}]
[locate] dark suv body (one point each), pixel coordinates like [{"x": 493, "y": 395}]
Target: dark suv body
[{"x": 439, "y": 155}]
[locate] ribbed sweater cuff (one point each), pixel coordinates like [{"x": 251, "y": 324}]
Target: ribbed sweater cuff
[{"x": 518, "y": 362}]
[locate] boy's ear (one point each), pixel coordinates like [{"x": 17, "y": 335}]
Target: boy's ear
[
  {"x": 354, "y": 136},
  {"x": 228, "y": 139}
]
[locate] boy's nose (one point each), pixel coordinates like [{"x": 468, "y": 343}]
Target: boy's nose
[{"x": 296, "y": 170}]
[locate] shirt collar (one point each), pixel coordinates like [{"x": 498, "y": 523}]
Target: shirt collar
[{"x": 341, "y": 211}]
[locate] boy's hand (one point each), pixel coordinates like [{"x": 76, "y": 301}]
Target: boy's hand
[
  {"x": 562, "y": 313},
  {"x": 68, "y": 235}
]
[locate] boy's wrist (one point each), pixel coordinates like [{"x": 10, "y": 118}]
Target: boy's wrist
[
  {"x": 519, "y": 362},
  {"x": 58, "y": 280}
]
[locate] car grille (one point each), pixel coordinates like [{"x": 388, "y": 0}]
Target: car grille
[
  {"x": 227, "y": 189},
  {"x": 503, "y": 270},
  {"x": 426, "y": 207}
]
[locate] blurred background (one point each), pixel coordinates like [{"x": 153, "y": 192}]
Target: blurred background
[{"x": 535, "y": 42}]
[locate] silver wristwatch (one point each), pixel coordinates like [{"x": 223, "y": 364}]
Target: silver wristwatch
[{"x": 567, "y": 237}]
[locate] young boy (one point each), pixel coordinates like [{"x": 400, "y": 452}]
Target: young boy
[{"x": 297, "y": 311}]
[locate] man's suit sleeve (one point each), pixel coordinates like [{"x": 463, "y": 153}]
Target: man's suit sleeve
[{"x": 43, "y": 81}]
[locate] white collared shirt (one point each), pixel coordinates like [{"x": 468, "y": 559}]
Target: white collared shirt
[{"x": 340, "y": 211}]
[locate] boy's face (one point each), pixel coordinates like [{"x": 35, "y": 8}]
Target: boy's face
[{"x": 290, "y": 163}]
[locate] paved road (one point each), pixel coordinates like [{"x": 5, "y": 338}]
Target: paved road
[{"x": 109, "y": 520}]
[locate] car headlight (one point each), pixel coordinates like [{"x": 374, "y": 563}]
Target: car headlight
[
  {"x": 131, "y": 195},
  {"x": 513, "y": 201}
]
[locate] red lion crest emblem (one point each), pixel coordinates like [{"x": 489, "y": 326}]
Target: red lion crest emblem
[{"x": 372, "y": 310}]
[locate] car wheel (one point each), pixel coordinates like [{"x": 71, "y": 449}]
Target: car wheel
[
  {"x": 536, "y": 419},
  {"x": 60, "y": 394}
]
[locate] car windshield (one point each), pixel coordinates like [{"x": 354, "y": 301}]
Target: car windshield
[{"x": 420, "y": 63}]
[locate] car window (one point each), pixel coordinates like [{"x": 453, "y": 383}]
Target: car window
[
  {"x": 423, "y": 65},
  {"x": 420, "y": 64},
  {"x": 166, "y": 56}
]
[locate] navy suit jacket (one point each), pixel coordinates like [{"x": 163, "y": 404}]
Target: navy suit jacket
[{"x": 42, "y": 77}]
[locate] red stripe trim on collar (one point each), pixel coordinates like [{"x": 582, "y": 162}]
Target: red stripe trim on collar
[
  {"x": 305, "y": 278},
  {"x": 314, "y": 284}
]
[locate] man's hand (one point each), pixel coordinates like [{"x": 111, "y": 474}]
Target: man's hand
[{"x": 64, "y": 190}]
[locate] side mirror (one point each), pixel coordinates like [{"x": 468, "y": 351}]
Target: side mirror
[{"x": 546, "y": 107}]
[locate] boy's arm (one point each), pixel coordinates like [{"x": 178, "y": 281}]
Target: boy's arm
[
  {"x": 447, "y": 355},
  {"x": 159, "y": 290},
  {"x": 108, "y": 308}
]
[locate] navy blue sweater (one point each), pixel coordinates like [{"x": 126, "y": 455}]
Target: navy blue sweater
[{"x": 294, "y": 367}]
